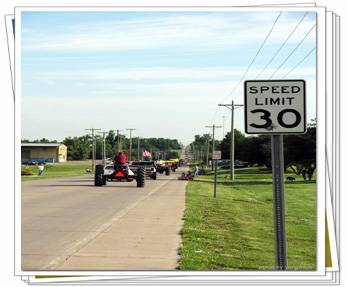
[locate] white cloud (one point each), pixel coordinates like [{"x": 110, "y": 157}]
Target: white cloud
[
  {"x": 179, "y": 32},
  {"x": 163, "y": 73}
]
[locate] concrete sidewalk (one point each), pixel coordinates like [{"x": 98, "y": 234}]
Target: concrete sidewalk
[{"x": 146, "y": 238}]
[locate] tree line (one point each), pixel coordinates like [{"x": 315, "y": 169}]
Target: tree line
[
  {"x": 299, "y": 150},
  {"x": 80, "y": 148}
]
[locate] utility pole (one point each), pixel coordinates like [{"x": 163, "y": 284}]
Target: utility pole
[
  {"x": 93, "y": 147},
  {"x": 130, "y": 142},
  {"x": 223, "y": 125},
  {"x": 138, "y": 148},
  {"x": 208, "y": 148},
  {"x": 103, "y": 148},
  {"x": 232, "y": 136},
  {"x": 214, "y": 127},
  {"x": 118, "y": 141}
]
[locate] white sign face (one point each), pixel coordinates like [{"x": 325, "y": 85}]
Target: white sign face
[
  {"x": 217, "y": 154},
  {"x": 275, "y": 107}
]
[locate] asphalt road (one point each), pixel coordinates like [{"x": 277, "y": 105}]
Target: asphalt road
[{"x": 64, "y": 216}]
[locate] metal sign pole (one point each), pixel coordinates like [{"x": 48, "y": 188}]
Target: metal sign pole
[
  {"x": 215, "y": 178},
  {"x": 278, "y": 201}
]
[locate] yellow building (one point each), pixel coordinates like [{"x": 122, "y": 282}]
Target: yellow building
[{"x": 42, "y": 152}]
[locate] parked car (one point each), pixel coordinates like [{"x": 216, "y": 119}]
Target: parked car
[
  {"x": 223, "y": 162},
  {"x": 30, "y": 162},
  {"x": 238, "y": 164}
]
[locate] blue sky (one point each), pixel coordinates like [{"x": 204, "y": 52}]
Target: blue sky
[{"x": 162, "y": 73}]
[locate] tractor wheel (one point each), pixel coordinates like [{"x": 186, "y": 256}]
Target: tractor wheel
[
  {"x": 99, "y": 172},
  {"x": 104, "y": 180},
  {"x": 141, "y": 176},
  {"x": 167, "y": 171},
  {"x": 154, "y": 176}
]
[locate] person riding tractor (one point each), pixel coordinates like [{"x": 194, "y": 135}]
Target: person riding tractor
[
  {"x": 120, "y": 159},
  {"x": 119, "y": 171},
  {"x": 121, "y": 162}
]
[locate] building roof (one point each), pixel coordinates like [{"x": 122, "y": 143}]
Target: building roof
[{"x": 41, "y": 144}]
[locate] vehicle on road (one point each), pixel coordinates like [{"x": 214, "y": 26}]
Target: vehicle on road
[
  {"x": 151, "y": 170},
  {"x": 162, "y": 167},
  {"x": 172, "y": 165},
  {"x": 176, "y": 161},
  {"x": 120, "y": 173}
]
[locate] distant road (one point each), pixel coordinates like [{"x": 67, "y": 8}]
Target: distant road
[{"x": 62, "y": 216}]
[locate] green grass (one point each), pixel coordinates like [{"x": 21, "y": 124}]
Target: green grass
[
  {"x": 235, "y": 230},
  {"x": 53, "y": 171}
]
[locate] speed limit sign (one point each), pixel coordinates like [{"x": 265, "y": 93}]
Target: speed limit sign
[{"x": 275, "y": 107}]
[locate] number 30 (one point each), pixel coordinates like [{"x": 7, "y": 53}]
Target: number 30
[{"x": 266, "y": 117}]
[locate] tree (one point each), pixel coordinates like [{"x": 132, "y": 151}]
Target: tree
[
  {"x": 78, "y": 148},
  {"x": 239, "y": 138},
  {"x": 300, "y": 150},
  {"x": 171, "y": 154},
  {"x": 257, "y": 150},
  {"x": 43, "y": 140}
]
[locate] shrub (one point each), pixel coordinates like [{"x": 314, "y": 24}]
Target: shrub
[{"x": 25, "y": 172}]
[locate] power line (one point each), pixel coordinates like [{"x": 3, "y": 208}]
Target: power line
[
  {"x": 288, "y": 58},
  {"x": 215, "y": 114},
  {"x": 250, "y": 63},
  {"x": 279, "y": 49},
  {"x": 291, "y": 69},
  {"x": 293, "y": 51},
  {"x": 299, "y": 62},
  {"x": 273, "y": 56},
  {"x": 273, "y": 26},
  {"x": 282, "y": 45}
]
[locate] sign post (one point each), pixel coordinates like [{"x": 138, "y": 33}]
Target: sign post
[
  {"x": 276, "y": 107},
  {"x": 216, "y": 155},
  {"x": 278, "y": 202}
]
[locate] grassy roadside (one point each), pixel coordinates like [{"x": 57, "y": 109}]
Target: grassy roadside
[
  {"x": 53, "y": 171},
  {"x": 235, "y": 230}
]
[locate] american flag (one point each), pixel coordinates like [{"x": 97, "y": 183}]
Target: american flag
[{"x": 147, "y": 153}]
